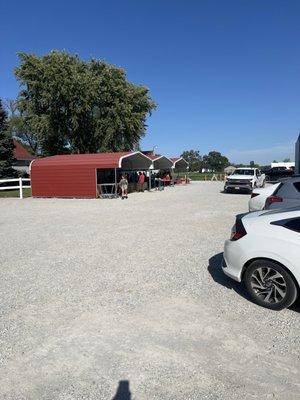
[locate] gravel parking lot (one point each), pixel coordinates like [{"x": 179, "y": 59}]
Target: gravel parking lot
[{"x": 94, "y": 292}]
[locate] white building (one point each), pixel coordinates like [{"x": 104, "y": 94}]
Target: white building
[{"x": 283, "y": 164}]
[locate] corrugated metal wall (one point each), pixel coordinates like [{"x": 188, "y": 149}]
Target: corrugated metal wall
[{"x": 73, "y": 181}]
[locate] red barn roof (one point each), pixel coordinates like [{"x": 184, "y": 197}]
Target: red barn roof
[
  {"x": 99, "y": 160},
  {"x": 21, "y": 153}
]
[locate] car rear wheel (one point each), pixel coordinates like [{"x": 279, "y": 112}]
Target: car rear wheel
[{"x": 270, "y": 285}]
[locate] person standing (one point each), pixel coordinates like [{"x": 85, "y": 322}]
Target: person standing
[
  {"x": 141, "y": 182},
  {"x": 123, "y": 184}
]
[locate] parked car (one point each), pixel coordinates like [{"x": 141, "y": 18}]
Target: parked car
[
  {"x": 276, "y": 173},
  {"x": 287, "y": 194},
  {"x": 259, "y": 196},
  {"x": 244, "y": 179},
  {"x": 263, "y": 252}
]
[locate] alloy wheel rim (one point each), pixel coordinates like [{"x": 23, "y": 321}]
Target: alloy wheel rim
[{"x": 268, "y": 285}]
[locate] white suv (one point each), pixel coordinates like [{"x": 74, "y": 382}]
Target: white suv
[
  {"x": 264, "y": 253},
  {"x": 244, "y": 179}
]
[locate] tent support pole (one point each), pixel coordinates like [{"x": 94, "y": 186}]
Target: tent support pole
[
  {"x": 149, "y": 186},
  {"x": 116, "y": 183}
]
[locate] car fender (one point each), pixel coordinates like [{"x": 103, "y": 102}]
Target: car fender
[{"x": 274, "y": 257}]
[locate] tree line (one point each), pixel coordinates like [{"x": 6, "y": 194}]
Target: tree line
[
  {"x": 6, "y": 147},
  {"x": 213, "y": 161},
  {"x": 216, "y": 162}
]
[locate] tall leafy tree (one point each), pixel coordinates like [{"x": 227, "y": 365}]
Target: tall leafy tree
[
  {"x": 19, "y": 126},
  {"x": 71, "y": 105},
  {"x": 215, "y": 161},
  {"x": 194, "y": 159},
  {"x": 6, "y": 147}
]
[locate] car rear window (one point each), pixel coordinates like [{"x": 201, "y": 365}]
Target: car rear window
[
  {"x": 297, "y": 186},
  {"x": 293, "y": 224}
]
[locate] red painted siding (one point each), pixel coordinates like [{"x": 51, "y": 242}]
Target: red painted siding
[
  {"x": 66, "y": 181},
  {"x": 70, "y": 176}
]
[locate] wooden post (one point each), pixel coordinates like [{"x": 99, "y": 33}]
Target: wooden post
[{"x": 21, "y": 188}]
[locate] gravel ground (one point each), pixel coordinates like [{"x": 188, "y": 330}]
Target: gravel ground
[{"x": 94, "y": 292}]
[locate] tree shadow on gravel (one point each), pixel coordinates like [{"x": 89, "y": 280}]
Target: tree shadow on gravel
[
  {"x": 215, "y": 270},
  {"x": 123, "y": 392}
]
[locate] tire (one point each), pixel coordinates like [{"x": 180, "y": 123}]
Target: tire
[{"x": 270, "y": 285}]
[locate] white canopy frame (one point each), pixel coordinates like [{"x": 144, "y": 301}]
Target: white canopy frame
[
  {"x": 162, "y": 162},
  {"x": 135, "y": 161},
  {"x": 181, "y": 165}
]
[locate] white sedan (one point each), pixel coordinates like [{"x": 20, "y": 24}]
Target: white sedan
[
  {"x": 259, "y": 197},
  {"x": 263, "y": 252}
]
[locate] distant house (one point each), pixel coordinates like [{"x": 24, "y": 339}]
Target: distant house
[{"x": 22, "y": 157}]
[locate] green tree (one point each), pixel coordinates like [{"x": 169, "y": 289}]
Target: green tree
[
  {"x": 70, "y": 105},
  {"x": 194, "y": 159},
  {"x": 19, "y": 126},
  {"x": 6, "y": 147},
  {"x": 287, "y": 160},
  {"x": 253, "y": 164},
  {"x": 215, "y": 161}
]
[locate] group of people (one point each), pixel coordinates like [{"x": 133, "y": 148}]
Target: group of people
[{"x": 140, "y": 178}]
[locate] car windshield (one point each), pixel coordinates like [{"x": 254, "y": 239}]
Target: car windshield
[{"x": 244, "y": 172}]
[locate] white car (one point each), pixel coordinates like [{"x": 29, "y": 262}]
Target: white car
[
  {"x": 259, "y": 197},
  {"x": 264, "y": 253},
  {"x": 244, "y": 179}
]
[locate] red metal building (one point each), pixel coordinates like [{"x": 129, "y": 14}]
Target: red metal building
[{"x": 77, "y": 175}]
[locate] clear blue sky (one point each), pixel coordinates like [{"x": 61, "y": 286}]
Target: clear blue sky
[{"x": 225, "y": 74}]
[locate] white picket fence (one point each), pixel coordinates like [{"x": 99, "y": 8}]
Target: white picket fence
[{"x": 18, "y": 186}]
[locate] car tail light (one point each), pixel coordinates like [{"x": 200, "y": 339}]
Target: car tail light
[
  {"x": 238, "y": 231},
  {"x": 273, "y": 199},
  {"x": 254, "y": 195}
]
